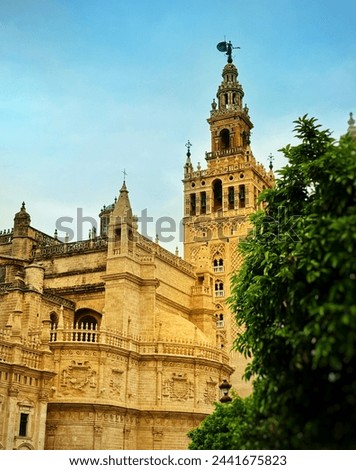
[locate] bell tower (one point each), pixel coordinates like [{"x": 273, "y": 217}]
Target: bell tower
[{"x": 219, "y": 199}]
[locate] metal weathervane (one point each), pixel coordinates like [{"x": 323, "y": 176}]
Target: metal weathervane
[{"x": 227, "y": 47}]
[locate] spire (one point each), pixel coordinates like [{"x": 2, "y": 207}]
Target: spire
[{"x": 122, "y": 206}]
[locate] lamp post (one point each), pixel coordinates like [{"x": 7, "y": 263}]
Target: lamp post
[{"x": 225, "y": 387}]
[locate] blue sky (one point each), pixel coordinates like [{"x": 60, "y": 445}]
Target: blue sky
[{"x": 90, "y": 87}]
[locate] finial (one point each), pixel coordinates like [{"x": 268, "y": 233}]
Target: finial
[
  {"x": 188, "y": 145},
  {"x": 227, "y": 47},
  {"x": 23, "y": 206},
  {"x": 351, "y": 121},
  {"x": 270, "y": 158},
  {"x": 125, "y": 174}
]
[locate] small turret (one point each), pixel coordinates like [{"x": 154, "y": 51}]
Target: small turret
[
  {"x": 22, "y": 222},
  {"x": 122, "y": 223},
  {"x": 22, "y": 243}
]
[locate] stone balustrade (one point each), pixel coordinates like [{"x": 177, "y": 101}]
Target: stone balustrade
[
  {"x": 27, "y": 351},
  {"x": 85, "y": 334}
]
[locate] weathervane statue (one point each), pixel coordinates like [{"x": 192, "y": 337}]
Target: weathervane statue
[{"x": 227, "y": 47}]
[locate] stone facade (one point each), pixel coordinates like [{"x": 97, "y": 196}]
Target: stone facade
[{"x": 114, "y": 342}]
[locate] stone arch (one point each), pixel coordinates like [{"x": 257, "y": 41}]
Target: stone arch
[
  {"x": 53, "y": 316},
  {"x": 225, "y": 139},
  {"x": 87, "y": 317},
  {"x": 25, "y": 446}
]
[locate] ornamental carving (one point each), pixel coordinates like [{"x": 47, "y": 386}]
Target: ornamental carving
[
  {"x": 115, "y": 383},
  {"x": 98, "y": 429},
  {"x": 217, "y": 249},
  {"x": 210, "y": 391},
  {"x": 78, "y": 376},
  {"x": 157, "y": 435},
  {"x": 178, "y": 388},
  {"x": 13, "y": 391},
  {"x": 43, "y": 395}
]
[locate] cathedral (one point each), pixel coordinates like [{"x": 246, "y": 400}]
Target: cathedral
[{"x": 115, "y": 342}]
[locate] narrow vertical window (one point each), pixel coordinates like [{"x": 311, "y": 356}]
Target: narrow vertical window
[
  {"x": 217, "y": 191},
  {"x": 231, "y": 198},
  {"x": 23, "y": 424},
  {"x": 203, "y": 202},
  {"x": 192, "y": 204},
  {"x": 242, "y": 195}
]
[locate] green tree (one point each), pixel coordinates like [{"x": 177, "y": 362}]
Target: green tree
[{"x": 295, "y": 296}]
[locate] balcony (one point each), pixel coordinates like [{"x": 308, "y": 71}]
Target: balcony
[
  {"x": 219, "y": 293},
  {"x": 218, "y": 269}
]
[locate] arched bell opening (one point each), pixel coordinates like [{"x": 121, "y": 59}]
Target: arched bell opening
[
  {"x": 217, "y": 193},
  {"x": 225, "y": 139}
]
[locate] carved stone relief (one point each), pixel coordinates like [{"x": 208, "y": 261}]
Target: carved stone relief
[
  {"x": 210, "y": 392},
  {"x": 116, "y": 381},
  {"x": 178, "y": 387},
  {"x": 79, "y": 376}
]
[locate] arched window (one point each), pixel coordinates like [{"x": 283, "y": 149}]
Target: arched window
[
  {"x": 87, "y": 322},
  {"x": 86, "y": 325},
  {"x": 217, "y": 191},
  {"x": 224, "y": 139},
  {"x": 54, "y": 325},
  {"x": 54, "y": 319},
  {"x": 220, "y": 323},
  {"x": 218, "y": 265},
  {"x": 219, "y": 288}
]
